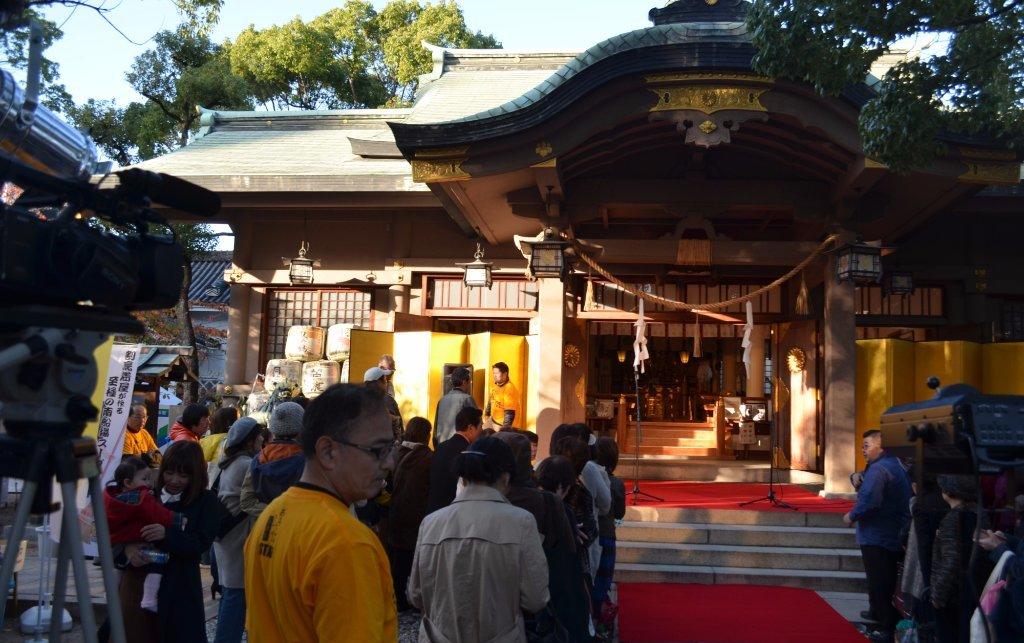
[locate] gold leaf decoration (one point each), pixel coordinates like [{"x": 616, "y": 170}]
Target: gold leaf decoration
[
  {"x": 708, "y": 126},
  {"x": 438, "y": 171},
  {"x": 571, "y": 356},
  {"x": 543, "y": 149},
  {"x": 796, "y": 360},
  {"x": 709, "y": 98}
]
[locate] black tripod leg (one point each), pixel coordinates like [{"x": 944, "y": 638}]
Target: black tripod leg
[
  {"x": 86, "y": 616},
  {"x": 60, "y": 584},
  {"x": 28, "y": 494}
]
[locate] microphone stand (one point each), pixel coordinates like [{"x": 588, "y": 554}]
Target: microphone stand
[
  {"x": 638, "y": 437},
  {"x": 771, "y": 498}
]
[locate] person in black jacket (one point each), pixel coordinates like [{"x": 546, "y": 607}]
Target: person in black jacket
[
  {"x": 182, "y": 487},
  {"x": 443, "y": 479},
  {"x": 410, "y": 488}
]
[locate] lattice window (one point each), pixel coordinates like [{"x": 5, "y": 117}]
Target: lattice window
[
  {"x": 1011, "y": 321},
  {"x": 923, "y": 302},
  {"x": 299, "y": 307}
]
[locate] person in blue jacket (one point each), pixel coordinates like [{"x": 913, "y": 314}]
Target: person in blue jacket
[{"x": 882, "y": 516}]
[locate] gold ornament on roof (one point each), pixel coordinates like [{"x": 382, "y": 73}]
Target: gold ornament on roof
[
  {"x": 543, "y": 149},
  {"x": 709, "y": 98},
  {"x": 796, "y": 360},
  {"x": 711, "y": 3},
  {"x": 708, "y": 126}
]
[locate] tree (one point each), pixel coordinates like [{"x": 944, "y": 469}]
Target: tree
[
  {"x": 351, "y": 56},
  {"x": 401, "y": 28},
  {"x": 14, "y": 45},
  {"x": 976, "y": 87},
  {"x": 183, "y": 72}
]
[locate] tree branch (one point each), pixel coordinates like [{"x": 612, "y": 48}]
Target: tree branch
[
  {"x": 99, "y": 9},
  {"x": 163, "y": 106},
  {"x": 976, "y": 20}
]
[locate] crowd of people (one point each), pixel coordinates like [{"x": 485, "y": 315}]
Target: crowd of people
[
  {"x": 928, "y": 560},
  {"x": 338, "y": 515}
]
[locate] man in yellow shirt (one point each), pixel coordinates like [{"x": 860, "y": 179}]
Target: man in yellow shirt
[
  {"x": 503, "y": 405},
  {"x": 312, "y": 571},
  {"x": 137, "y": 440}
]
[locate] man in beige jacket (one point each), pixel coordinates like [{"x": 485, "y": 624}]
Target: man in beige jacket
[{"x": 481, "y": 537}]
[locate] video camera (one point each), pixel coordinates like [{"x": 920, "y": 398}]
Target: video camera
[
  {"x": 77, "y": 257},
  {"x": 957, "y": 430}
]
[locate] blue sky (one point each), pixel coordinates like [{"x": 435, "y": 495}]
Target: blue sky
[{"x": 93, "y": 57}]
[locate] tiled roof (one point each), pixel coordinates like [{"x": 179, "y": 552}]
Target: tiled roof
[
  {"x": 278, "y": 151},
  {"x": 208, "y": 285}
]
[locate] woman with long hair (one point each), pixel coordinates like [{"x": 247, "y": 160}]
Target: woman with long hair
[{"x": 181, "y": 487}]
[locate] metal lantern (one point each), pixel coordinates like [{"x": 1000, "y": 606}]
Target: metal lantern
[
  {"x": 860, "y": 263},
  {"x": 477, "y": 274},
  {"x": 684, "y": 357},
  {"x": 300, "y": 268},
  {"x": 545, "y": 253},
  {"x": 898, "y": 283}
]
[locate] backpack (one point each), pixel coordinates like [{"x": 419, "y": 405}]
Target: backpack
[{"x": 226, "y": 521}]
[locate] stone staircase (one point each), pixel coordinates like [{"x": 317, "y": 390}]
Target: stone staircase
[{"x": 716, "y": 547}]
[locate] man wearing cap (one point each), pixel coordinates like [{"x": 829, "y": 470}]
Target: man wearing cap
[
  {"x": 448, "y": 407},
  {"x": 503, "y": 405},
  {"x": 243, "y": 441},
  {"x": 377, "y": 377},
  {"x": 279, "y": 464},
  {"x": 881, "y": 514}
]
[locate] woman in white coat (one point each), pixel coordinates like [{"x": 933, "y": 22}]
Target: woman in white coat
[{"x": 479, "y": 562}]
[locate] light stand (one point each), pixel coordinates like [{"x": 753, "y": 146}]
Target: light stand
[
  {"x": 771, "y": 498},
  {"x": 638, "y": 437}
]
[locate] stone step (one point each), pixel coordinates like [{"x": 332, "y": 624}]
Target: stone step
[
  {"x": 750, "y": 535},
  {"x": 741, "y": 556},
  {"x": 817, "y": 580},
  {"x": 730, "y": 516},
  {"x": 692, "y": 451}
]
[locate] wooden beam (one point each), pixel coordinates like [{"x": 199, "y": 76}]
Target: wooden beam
[
  {"x": 697, "y": 193},
  {"x": 860, "y": 177},
  {"x": 723, "y": 252}
]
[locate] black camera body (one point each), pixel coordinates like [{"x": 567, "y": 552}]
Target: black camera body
[{"x": 65, "y": 262}]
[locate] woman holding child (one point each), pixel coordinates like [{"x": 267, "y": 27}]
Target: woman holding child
[{"x": 181, "y": 485}]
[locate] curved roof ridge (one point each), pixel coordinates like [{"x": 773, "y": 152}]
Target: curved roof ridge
[{"x": 658, "y": 35}]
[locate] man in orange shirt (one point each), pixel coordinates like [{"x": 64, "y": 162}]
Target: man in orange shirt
[
  {"x": 137, "y": 440},
  {"x": 312, "y": 571},
  {"x": 503, "y": 405}
]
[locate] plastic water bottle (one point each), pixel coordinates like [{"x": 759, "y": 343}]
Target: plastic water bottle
[{"x": 154, "y": 556}]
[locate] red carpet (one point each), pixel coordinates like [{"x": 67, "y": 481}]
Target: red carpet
[
  {"x": 670, "y": 613},
  {"x": 728, "y": 495}
]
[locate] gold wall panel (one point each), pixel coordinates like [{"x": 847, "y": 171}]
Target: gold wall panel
[{"x": 431, "y": 171}]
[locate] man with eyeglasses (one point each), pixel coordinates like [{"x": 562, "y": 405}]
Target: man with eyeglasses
[
  {"x": 312, "y": 571},
  {"x": 137, "y": 440}
]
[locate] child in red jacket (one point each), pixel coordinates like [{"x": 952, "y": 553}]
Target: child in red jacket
[{"x": 130, "y": 506}]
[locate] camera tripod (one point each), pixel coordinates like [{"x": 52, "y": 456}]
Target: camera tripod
[
  {"x": 43, "y": 378},
  {"x": 69, "y": 460}
]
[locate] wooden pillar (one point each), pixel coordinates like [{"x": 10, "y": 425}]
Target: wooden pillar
[
  {"x": 839, "y": 383},
  {"x": 238, "y": 335},
  {"x": 548, "y": 327},
  {"x": 239, "y": 319}
]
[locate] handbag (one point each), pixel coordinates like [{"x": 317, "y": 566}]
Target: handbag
[{"x": 543, "y": 627}]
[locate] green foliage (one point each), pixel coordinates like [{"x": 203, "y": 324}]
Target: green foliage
[
  {"x": 200, "y": 15},
  {"x": 351, "y": 56},
  {"x": 976, "y": 87},
  {"x": 14, "y": 45},
  {"x": 196, "y": 239}
]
